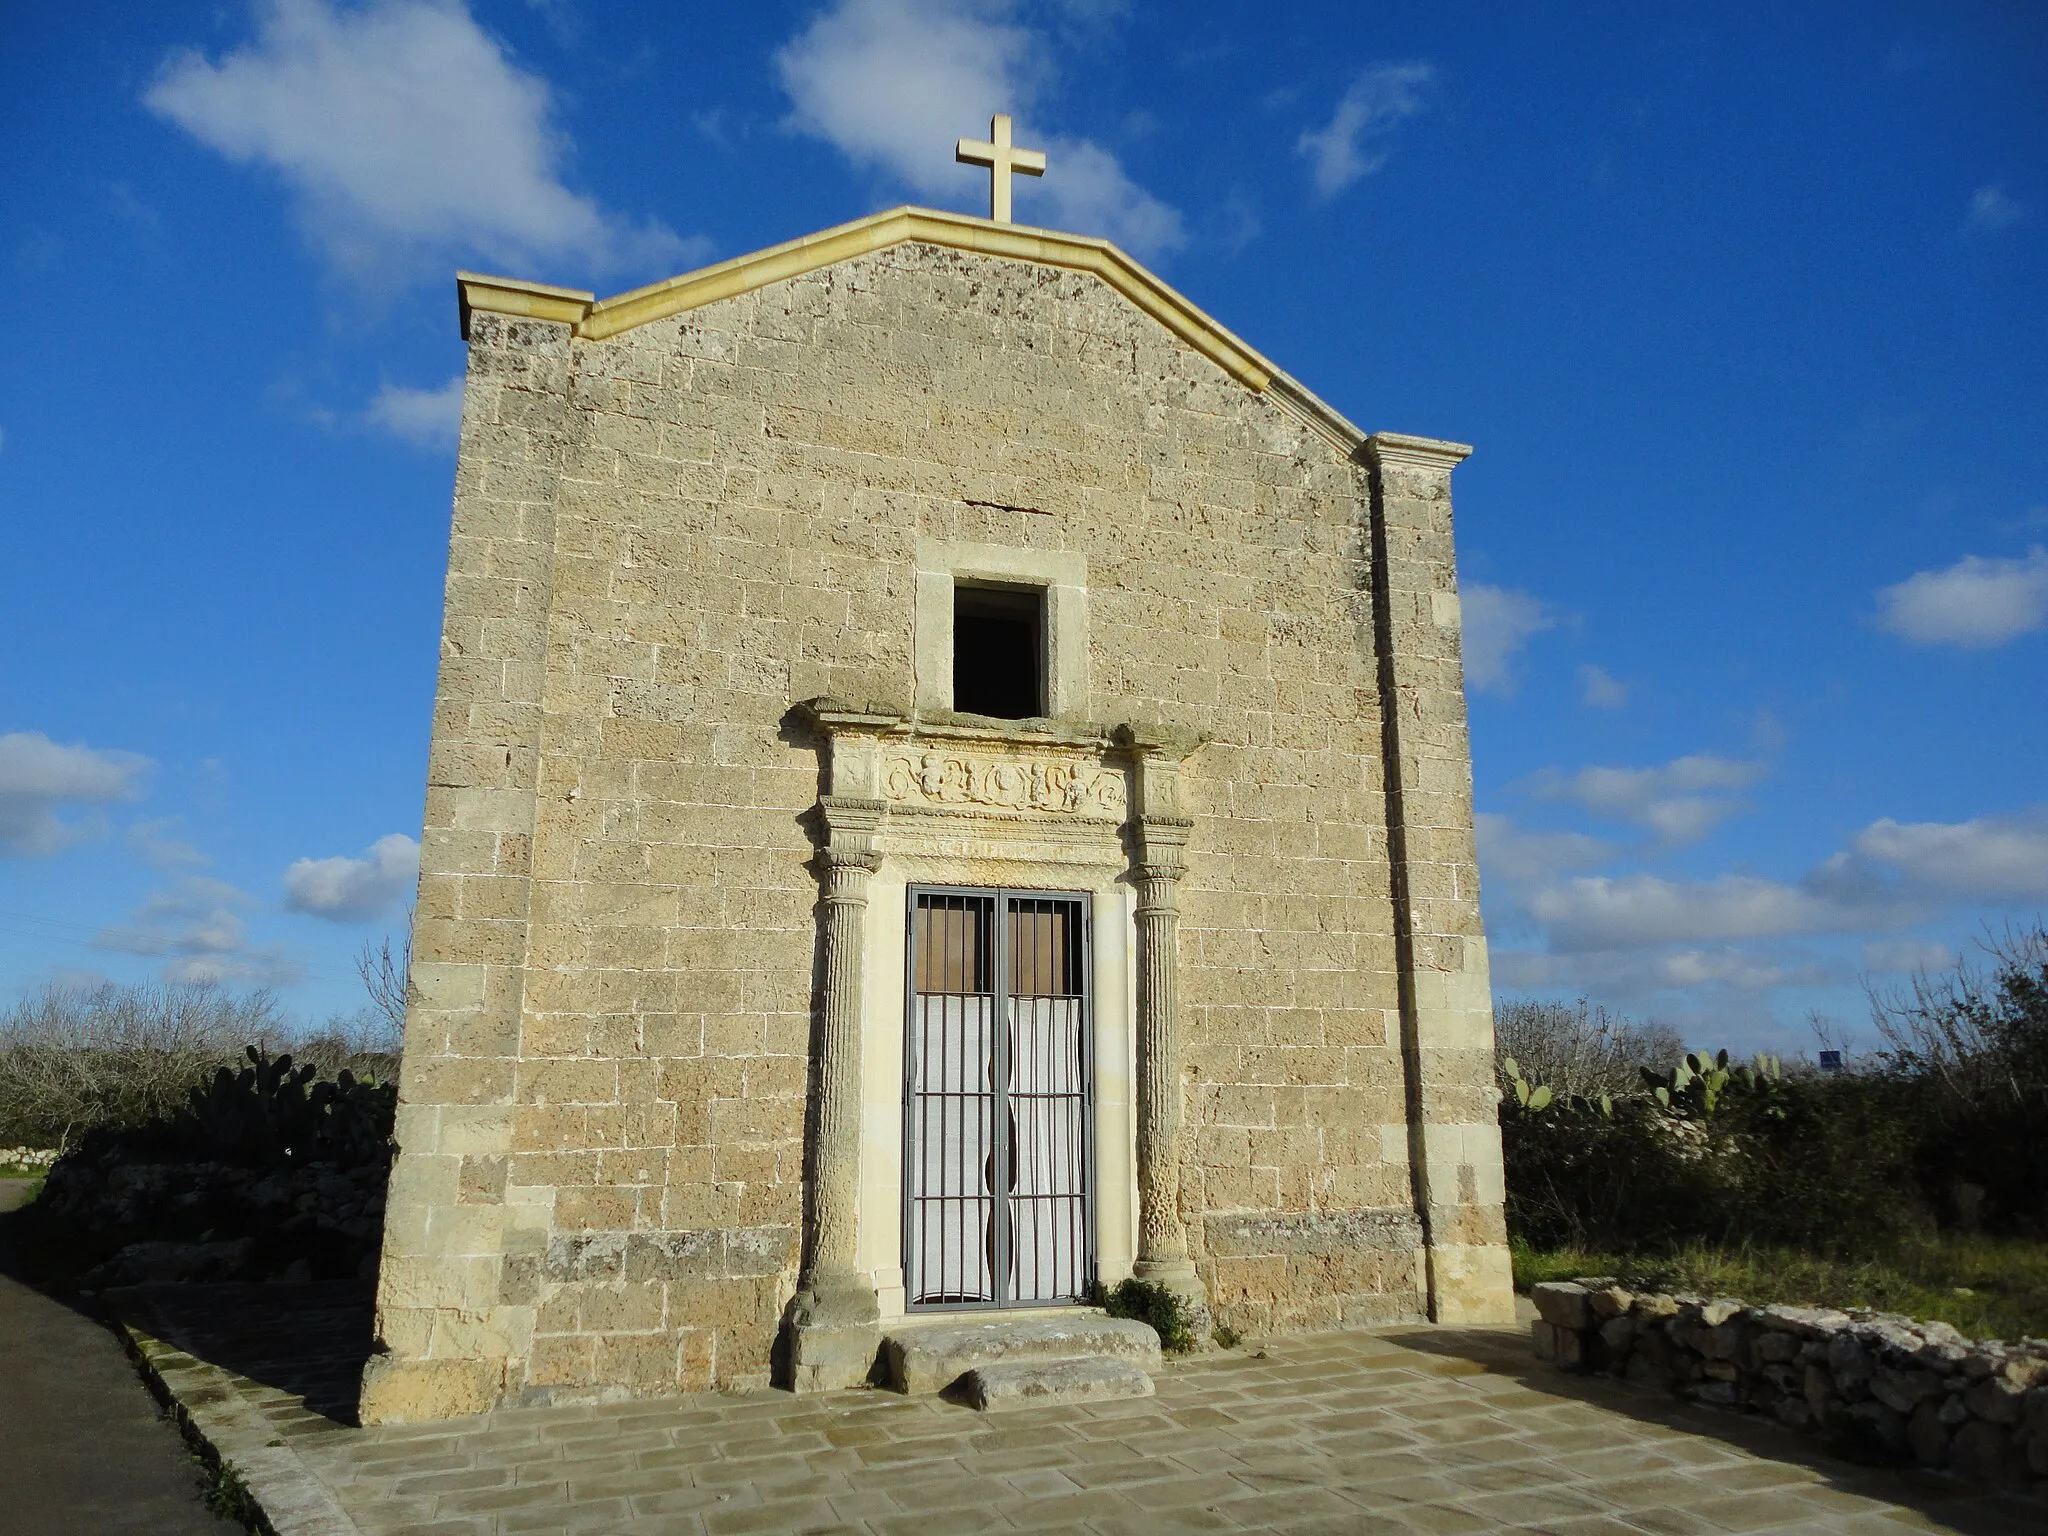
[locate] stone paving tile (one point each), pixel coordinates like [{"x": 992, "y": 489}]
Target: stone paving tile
[
  {"x": 1414, "y": 1433},
  {"x": 1667, "y": 1520},
  {"x": 1591, "y": 1525},
  {"x": 1442, "y": 1520}
]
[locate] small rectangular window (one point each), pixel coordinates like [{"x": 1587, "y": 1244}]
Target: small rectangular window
[{"x": 999, "y": 651}]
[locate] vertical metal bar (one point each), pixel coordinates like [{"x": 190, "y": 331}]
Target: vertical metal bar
[
  {"x": 1085, "y": 922},
  {"x": 1043, "y": 1190},
  {"x": 912, "y": 1023},
  {"x": 999, "y": 1106}
]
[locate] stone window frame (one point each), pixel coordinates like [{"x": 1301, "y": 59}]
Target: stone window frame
[{"x": 942, "y": 564}]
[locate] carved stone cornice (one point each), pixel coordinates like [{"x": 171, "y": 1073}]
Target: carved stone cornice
[
  {"x": 1017, "y": 771},
  {"x": 836, "y": 718},
  {"x": 1399, "y": 450}
]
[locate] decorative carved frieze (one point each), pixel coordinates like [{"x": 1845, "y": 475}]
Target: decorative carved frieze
[{"x": 1051, "y": 785}]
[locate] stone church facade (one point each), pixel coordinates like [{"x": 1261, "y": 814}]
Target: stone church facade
[{"x": 949, "y": 787}]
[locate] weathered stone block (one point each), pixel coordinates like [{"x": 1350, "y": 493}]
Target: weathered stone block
[
  {"x": 1565, "y": 1303},
  {"x": 1986, "y": 1452},
  {"x": 1996, "y": 1400},
  {"x": 932, "y": 1357},
  {"x": 1036, "y": 1384}
]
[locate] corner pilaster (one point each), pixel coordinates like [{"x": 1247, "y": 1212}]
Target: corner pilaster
[
  {"x": 1440, "y": 943},
  {"x": 453, "y": 1325}
]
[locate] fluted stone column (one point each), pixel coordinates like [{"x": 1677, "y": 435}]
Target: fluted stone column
[
  {"x": 833, "y": 1323},
  {"x": 1162, "y": 837}
]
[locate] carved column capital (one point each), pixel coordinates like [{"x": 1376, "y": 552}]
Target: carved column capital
[
  {"x": 851, "y": 822},
  {"x": 1163, "y": 845}
]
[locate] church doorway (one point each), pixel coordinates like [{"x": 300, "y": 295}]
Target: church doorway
[{"x": 999, "y": 1126}]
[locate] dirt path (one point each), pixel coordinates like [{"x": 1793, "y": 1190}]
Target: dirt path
[{"x": 82, "y": 1449}]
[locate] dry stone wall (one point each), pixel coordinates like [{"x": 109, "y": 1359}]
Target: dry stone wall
[{"x": 1875, "y": 1383}]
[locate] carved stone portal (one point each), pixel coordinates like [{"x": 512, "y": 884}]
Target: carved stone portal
[{"x": 1114, "y": 789}]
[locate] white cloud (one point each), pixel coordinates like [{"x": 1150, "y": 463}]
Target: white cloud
[
  {"x": 407, "y": 136},
  {"x": 1977, "y": 602},
  {"x": 38, "y": 777},
  {"x": 1600, "y": 689},
  {"x": 1636, "y": 979},
  {"x": 1681, "y": 801},
  {"x": 152, "y": 840},
  {"x": 1639, "y": 911},
  {"x": 1376, "y": 102},
  {"x": 196, "y": 926},
  {"x": 563, "y": 20},
  {"x": 1908, "y": 955},
  {"x": 1498, "y": 621},
  {"x": 1992, "y": 208},
  {"x": 1093, "y": 195},
  {"x": 1507, "y": 852},
  {"x": 1718, "y": 948},
  {"x": 426, "y": 418},
  {"x": 1891, "y": 874},
  {"x": 894, "y": 83},
  {"x": 1987, "y": 859},
  {"x": 1727, "y": 966},
  {"x": 345, "y": 890}
]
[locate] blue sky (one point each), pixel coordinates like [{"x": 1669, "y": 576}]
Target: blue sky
[{"x": 1743, "y": 306}]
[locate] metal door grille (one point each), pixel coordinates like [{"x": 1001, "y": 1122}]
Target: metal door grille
[{"x": 998, "y": 1036}]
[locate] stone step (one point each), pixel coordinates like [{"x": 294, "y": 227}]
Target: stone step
[
  {"x": 930, "y": 1357},
  {"x": 1041, "y": 1383}
]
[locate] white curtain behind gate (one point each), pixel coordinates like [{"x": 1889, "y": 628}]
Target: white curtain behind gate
[
  {"x": 1048, "y": 1157},
  {"x": 952, "y": 1103}
]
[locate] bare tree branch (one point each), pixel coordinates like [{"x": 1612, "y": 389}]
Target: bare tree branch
[{"x": 385, "y": 978}]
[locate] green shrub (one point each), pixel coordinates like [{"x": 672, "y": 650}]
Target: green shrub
[
  {"x": 271, "y": 1111},
  {"x": 1156, "y": 1305},
  {"x": 72, "y": 1060},
  {"x": 227, "y": 1494},
  {"x": 1949, "y": 1125},
  {"x": 1974, "y": 1044},
  {"x": 1576, "y": 1048},
  {"x": 268, "y": 1114},
  {"x": 1714, "y": 1152}
]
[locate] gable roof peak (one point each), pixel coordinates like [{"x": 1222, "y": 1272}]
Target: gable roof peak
[{"x": 594, "y": 319}]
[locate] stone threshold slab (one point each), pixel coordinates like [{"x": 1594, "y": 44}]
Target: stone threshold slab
[{"x": 930, "y": 1357}]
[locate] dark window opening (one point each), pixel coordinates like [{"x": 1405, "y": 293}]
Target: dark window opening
[{"x": 999, "y": 651}]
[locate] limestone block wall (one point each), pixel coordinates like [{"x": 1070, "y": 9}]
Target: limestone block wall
[{"x": 665, "y": 539}]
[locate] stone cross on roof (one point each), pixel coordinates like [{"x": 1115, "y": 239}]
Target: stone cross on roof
[{"x": 997, "y": 154}]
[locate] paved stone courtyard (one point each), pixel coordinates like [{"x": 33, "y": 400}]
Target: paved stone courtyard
[{"x": 1408, "y": 1431}]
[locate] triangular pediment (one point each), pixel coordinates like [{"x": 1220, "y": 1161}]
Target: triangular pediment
[{"x": 594, "y": 319}]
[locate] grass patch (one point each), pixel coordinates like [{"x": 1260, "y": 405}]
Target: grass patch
[
  {"x": 227, "y": 1495},
  {"x": 1989, "y": 1287}
]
